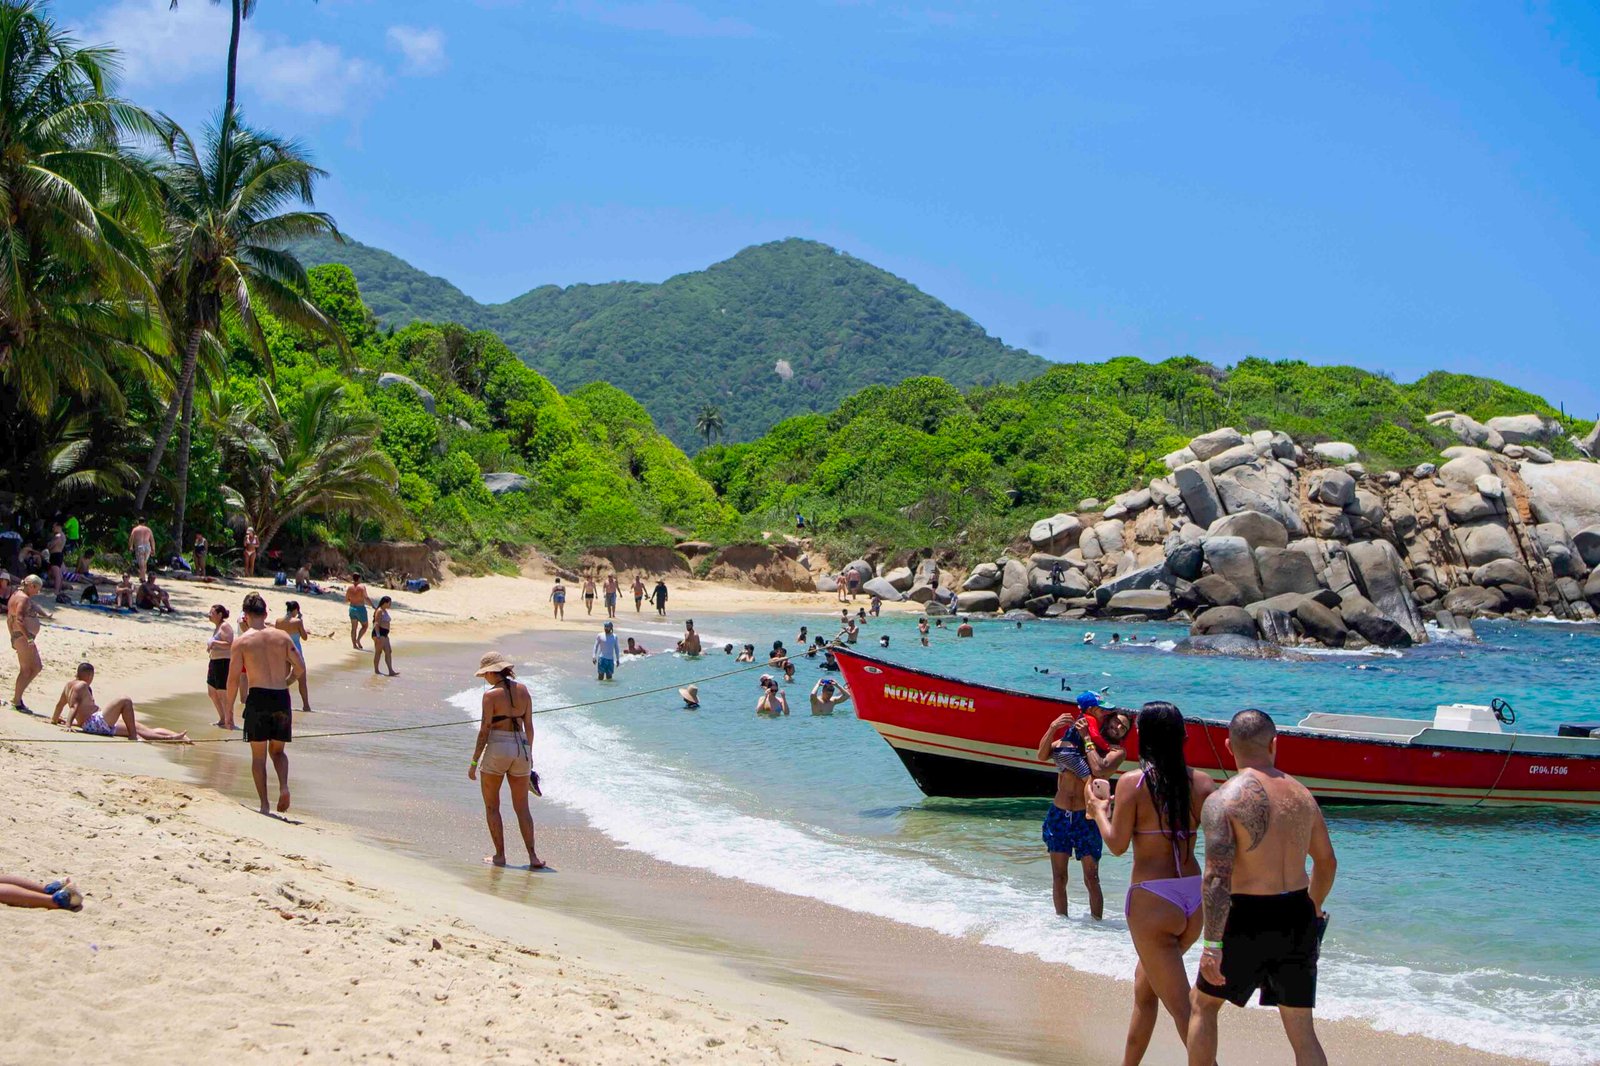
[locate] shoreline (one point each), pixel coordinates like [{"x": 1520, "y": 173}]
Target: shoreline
[{"x": 752, "y": 958}]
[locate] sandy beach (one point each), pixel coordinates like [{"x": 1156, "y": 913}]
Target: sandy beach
[{"x": 209, "y": 927}]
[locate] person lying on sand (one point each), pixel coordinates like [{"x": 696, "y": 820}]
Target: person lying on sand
[
  {"x": 59, "y": 895},
  {"x": 117, "y": 720}
]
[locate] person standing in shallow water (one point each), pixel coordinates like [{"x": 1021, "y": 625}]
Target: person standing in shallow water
[
  {"x": 504, "y": 753},
  {"x": 606, "y": 653},
  {"x": 357, "y": 601},
  {"x": 268, "y": 657},
  {"x": 1075, "y": 744},
  {"x": 1157, "y": 812},
  {"x": 382, "y": 647}
]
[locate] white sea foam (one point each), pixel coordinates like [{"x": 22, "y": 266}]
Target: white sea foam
[{"x": 694, "y": 820}]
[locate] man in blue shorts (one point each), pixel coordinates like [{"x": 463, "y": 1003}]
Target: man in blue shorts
[
  {"x": 1075, "y": 745},
  {"x": 606, "y": 653}
]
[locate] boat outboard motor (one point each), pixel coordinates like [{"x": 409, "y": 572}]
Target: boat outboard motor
[{"x": 1579, "y": 729}]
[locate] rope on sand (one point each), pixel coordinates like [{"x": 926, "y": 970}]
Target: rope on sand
[{"x": 410, "y": 728}]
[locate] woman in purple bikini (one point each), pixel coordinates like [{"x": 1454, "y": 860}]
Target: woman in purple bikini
[{"x": 1157, "y": 811}]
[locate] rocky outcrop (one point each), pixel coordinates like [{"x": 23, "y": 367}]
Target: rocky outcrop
[
  {"x": 883, "y": 589},
  {"x": 392, "y": 381},
  {"x": 507, "y": 483},
  {"x": 766, "y": 566}
]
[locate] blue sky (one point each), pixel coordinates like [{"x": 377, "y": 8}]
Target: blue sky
[{"x": 1402, "y": 187}]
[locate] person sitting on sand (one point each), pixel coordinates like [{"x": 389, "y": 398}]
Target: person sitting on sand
[
  {"x": 747, "y": 654},
  {"x": 152, "y": 597},
  {"x": 61, "y": 895},
  {"x": 691, "y": 697},
  {"x": 772, "y": 702},
  {"x": 965, "y": 628},
  {"x": 357, "y": 600},
  {"x": 634, "y": 648},
  {"x": 267, "y": 655},
  {"x": 123, "y": 594},
  {"x": 827, "y": 694},
  {"x": 219, "y": 653},
  {"x": 294, "y": 624},
  {"x": 689, "y": 646},
  {"x": 382, "y": 646},
  {"x": 504, "y": 751},
  {"x": 117, "y": 720}
]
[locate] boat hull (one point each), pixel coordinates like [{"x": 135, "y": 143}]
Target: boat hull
[{"x": 965, "y": 740}]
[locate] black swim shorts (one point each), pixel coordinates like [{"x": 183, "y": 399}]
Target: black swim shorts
[
  {"x": 1271, "y": 943},
  {"x": 217, "y": 674},
  {"x": 267, "y": 715}
]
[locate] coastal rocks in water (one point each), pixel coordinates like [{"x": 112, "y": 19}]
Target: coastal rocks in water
[
  {"x": 984, "y": 577},
  {"x": 1147, "y": 603},
  {"x": 1149, "y": 577},
  {"x": 1502, "y": 572},
  {"x": 1591, "y": 589},
  {"x": 1563, "y": 556},
  {"x": 1256, "y": 529},
  {"x": 1587, "y": 543},
  {"x": 1360, "y": 614},
  {"x": 1216, "y": 591},
  {"x": 506, "y": 483},
  {"x": 1216, "y": 621},
  {"x": 1199, "y": 491},
  {"x": 1320, "y": 623},
  {"x": 1235, "y": 644},
  {"x": 1333, "y": 487},
  {"x": 1485, "y": 542},
  {"x": 1525, "y": 429},
  {"x": 1381, "y": 575},
  {"x": 900, "y": 578},
  {"x": 1013, "y": 585},
  {"x": 1470, "y": 600},
  {"x": 1284, "y": 570},
  {"x": 391, "y": 380},
  {"x": 978, "y": 602},
  {"x": 1056, "y": 533},
  {"x": 1336, "y": 451},
  {"x": 1233, "y": 558},
  {"x": 1215, "y": 443},
  {"x": 1185, "y": 560}
]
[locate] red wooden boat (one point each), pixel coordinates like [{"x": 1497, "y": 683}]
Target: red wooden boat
[{"x": 963, "y": 739}]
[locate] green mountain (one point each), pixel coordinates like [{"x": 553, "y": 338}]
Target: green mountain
[{"x": 780, "y": 329}]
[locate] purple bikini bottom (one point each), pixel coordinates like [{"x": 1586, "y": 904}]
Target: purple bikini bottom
[{"x": 1182, "y": 892}]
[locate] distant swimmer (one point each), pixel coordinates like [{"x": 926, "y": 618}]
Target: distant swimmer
[
  {"x": 747, "y": 654},
  {"x": 779, "y": 657},
  {"x": 827, "y": 694},
  {"x": 803, "y": 639},
  {"x": 267, "y": 655},
  {"x": 1116, "y": 638},
  {"x": 691, "y": 697},
  {"x": 1088, "y": 638},
  {"x": 504, "y": 752},
  {"x": 772, "y": 702},
  {"x": 690, "y": 644},
  {"x": 635, "y": 648},
  {"x": 1264, "y": 920},
  {"x": 558, "y": 600},
  {"x": 606, "y": 653},
  {"x": 965, "y": 628},
  {"x": 883, "y": 641},
  {"x": 117, "y": 720}
]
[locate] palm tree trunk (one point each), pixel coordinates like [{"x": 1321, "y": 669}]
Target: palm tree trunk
[
  {"x": 233, "y": 61},
  {"x": 184, "y": 436},
  {"x": 158, "y": 448}
]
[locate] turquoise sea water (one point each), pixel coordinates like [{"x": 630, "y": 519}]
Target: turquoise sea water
[{"x": 1479, "y": 927}]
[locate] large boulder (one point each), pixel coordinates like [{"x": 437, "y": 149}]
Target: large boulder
[
  {"x": 1056, "y": 533},
  {"x": 1173, "y": 460},
  {"x": 1471, "y": 432},
  {"x": 1013, "y": 585},
  {"x": 1565, "y": 492},
  {"x": 1591, "y": 588},
  {"x": 826, "y": 583},
  {"x": 1589, "y": 443},
  {"x": 1218, "y": 621},
  {"x": 1264, "y": 487},
  {"x": 1471, "y": 507},
  {"x": 1233, "y": 558},
  {"x": 1216, "y": 591},
  {"x": 1215, "y": 443},
  {"x": 1258, "y": 530},
  {"x": 1147, "y": 577},
  {"x": 882, "y": 589},
  {"x": 1485, "y": 542},
  {"x": 1320, "y": 623},
  {"x": 1131, "y": 502},
  {"x": 1463, "y": 471},
  {"x": 1284, "y": 604},
  {"x": 1199, "y": 491},
  {"x": 1560, "y": 552},
  {"x": 1284, "y": 570},
  {"x": 861, "y": 567},
  {"x": 391, "y": 381},
  {"x": 1366, "y": 513},
  {"x": 1236, "y": 456},
  {"x": 1502, "y": 572},
  {"x": 1361, "y": 615},
  {"x": 1185, "y": 560},
  {"x": 978, "y": 602},
  {"x": 1472, "y": 601},
  {"x": 1519, "y": 597},
  {"x": 984, "y": 577},
  {"x": 1333, "y": 487},
  {"x": 507, "y": 483},
  {"x": 1336, "y": 451},
  {"x": 901, "y": 578},
  {"x": 1525, "y": 429},
  {"x": 1587, "y": 543},
  {"x": 1148, "y": 603},
  {"x": 1381, "y": 576},
  {"x": 1102, "y": 539}
]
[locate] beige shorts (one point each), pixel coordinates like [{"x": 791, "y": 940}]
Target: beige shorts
[{"x": 507, "y": 754}]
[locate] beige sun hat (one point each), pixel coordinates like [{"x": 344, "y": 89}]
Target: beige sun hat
[
  {"x": 493, "y": 663},
  {"x": 690, "y": 693}
]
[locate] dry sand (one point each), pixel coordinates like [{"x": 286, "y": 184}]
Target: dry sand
[{"x": 210, "y": 931}]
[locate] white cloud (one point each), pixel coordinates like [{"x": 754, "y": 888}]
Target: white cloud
[
  {"x": 159, "y": 46},
  {"x": 423, "y": 49},
  {"x": 672, "y": 18}
]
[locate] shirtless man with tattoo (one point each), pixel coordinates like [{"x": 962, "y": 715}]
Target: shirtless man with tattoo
[{"x": 1263, "y": 916}]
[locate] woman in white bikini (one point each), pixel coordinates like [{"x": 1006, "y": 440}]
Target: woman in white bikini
[
  {"x": 504, "y": 751},
  {"x": 1157, "y": 811},
  {"x": 219, "y": 650}
]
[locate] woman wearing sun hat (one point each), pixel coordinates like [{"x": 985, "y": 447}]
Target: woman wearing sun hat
[{"x": 505, "y": 752}]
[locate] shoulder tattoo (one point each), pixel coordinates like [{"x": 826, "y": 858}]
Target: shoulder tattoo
[{"x": 1248, "y": 804}]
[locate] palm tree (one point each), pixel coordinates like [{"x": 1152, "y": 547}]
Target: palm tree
[
  {"x": 58, "y": 456},
  {"x": 242, "y": 9},
  {"x": 320, "y": 458},
  {"x": 76, "y": 301},
  {"x": 709, "y": 422},
  {"x": 226, "y": 224}
]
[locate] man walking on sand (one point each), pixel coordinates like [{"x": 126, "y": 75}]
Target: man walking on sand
[
  {"x": 22, "y": 626},
  {"x": 358, "y": 601},
  {"x": 638, "y": 592},
  {"x": 610, "y": 591},
  {"x": 1263, "y": 916},
  {"x": 268, "y": 656},
  {"x": 142, "y": 542}
]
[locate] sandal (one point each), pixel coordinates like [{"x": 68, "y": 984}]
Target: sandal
[{"x": 68, "y": 899}]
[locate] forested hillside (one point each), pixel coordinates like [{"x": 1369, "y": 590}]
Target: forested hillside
[{"x": 780, "y": 329}]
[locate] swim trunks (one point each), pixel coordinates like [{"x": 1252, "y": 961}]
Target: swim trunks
[
  {"x": 1071, "y": 833},
  {"x": 267, "y": 715},
  {"x": 1271, "y": 943},
  {"x": 141, "y": 552},
  {"x": 97, "y": 726},
  {"x": 358, "y": 613},
  {"x": 217, "y": 674},
  {"x": 57, "y": 558},
  {"x": 606, "y": 668},
  {"x": 611, "y": 599}
]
